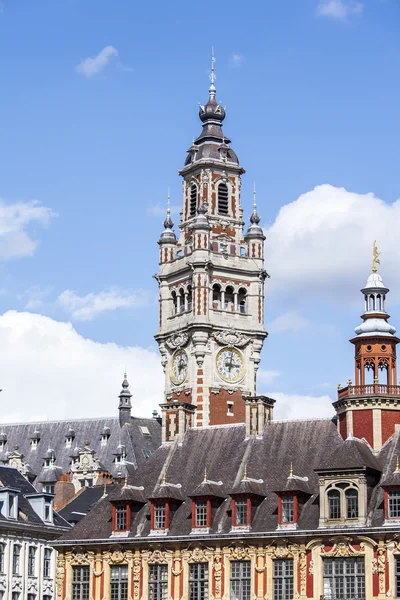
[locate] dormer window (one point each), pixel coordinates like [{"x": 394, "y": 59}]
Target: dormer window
[
  {"x": 121, "y": 517},
  {"x": 201, "y": 513},
  {"x": 2, "y": 445},
  {"x": 351, "y": 496},
  {"x": 287, "y": 509},
  {"x": 48, "y": 488},
  {"x": 160, "y": 515},
  {"x": 12, "y": 506},
  {"x": 144, "y": 430},
  {"x": 394, "y": 504},
  {"x": 34, "y": 443},
  {"x": 68, "y": 441},
  {"x": 47, "y": 462},
  {"x": 342, "y": 502},
  {"x": 334, "y": 504},
  {"x": 241, "y": 512},
  {"x": 48, "y": 512}
]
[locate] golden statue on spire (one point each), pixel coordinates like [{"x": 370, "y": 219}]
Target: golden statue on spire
[{"x": 375, "y": 257}]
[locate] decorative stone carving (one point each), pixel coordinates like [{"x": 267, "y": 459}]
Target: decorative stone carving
[
  {"x": 3, "y": 582},
  {"x": 85, "y": 466},
  {"x": 303, "y": 573},
  {"x": 16, "y": 584},
  {"x": 80, "y": 558},
  {"x": 344, "y": 549},
  {"x": 31, "y": 585},
  {"x": 158, "y": 557},
  {"x": 231, "y": 337},
  {"x": 217, "y": 566},
  {"x": 311, "y": 568},
  {"x": 178, "y": 340},
  {"x": 137, "y": 566},
  {"x": 47, "y": 587},
  {"x": 60, "y": 576}
]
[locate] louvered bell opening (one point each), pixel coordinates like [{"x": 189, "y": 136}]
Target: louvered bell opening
[
  {"x": 193, "y": 200},
  {"x": 223, "y": 199}
]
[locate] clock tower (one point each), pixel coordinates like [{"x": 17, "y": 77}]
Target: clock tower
[{"x": 211, "y": 290}]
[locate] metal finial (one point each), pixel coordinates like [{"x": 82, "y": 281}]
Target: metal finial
[
  {"x": 213, "y": 77},
  {"x": 168, "y": 224},
  {"x": 255, "y": 219},
  {"x": 375, "y": 257},
  {"x": 245, "y": 473},
  {"x": 164, "y": 479},
  {"x": 397, "y": 469},
  {"x": 126, "y": 481},
  {"x": 205, "y": 476},
  {"x": 105, "y": 490},
  {"x": 291, "y": 470}
]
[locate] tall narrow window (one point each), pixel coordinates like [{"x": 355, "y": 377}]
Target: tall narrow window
[
  {"x": 31, "y": 561},
  {"x": 287, "y": 509},
  {"x": 229, "y": 298},
  {"x": 160, "y": 515},
  {"x": 394, "y": 504},
  {"x": 198, "y": 581},
  {"x": 12, "y": 506},
  {"x": 189, "y": 298},
  {"x": 222, "y": 199},
  {"x": 119, "y": 582},
  {"x": 80, "y": 583},
  {"x": 283, "y": 579},
  {"x": 193, "y": 200},
  {"x": 240, "y": 580},
  {"x": 158, "y": 582},
  {"x": 121, "y": 517},
  {"x": 201, "y": 513},
  {"x": 1, "y": 558},
  {"x": 16, "y": 559},
  {"x": 344, "y": 578},
  {"x": 47, "y": 562},
  {"x": 242, "y": 300},
  {"x": 397, "y": 574},
  {"x": 241, "y": 511},
  {"x": 174, "y": 302},
  {"x": 216, "y": 296},
  {"x": 352, "y": 503},
  {"x": 334, "y": 504}
]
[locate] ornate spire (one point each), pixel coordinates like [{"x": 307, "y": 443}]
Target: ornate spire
[
  {"x": 245, "y": 473},
  {"x": 291, "y": 471},
  {"x": 125, "y": 403},
  {"x": 168, "y": 223},
  {"x": 205, "y": 476},
  {"x": 255, "y": 219}
]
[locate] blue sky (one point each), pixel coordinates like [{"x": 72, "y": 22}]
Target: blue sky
[{"x": 311, "y": 90}]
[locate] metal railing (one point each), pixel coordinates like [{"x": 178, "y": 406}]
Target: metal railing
[{"x": 372, "y": 389}]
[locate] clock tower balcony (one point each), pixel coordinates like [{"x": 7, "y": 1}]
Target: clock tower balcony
[{"x": 368, "y": 390}]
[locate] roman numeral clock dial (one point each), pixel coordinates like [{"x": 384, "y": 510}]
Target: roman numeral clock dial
[
  {"x": 230, "y": 364},
  {"x": 179, "y": 367}
]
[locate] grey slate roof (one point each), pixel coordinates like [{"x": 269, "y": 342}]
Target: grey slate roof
[
  {"x": 12, "y": 478},
  {"x": 224, "y": 451},
  {"x": 81, "y": 504},
  {"x": 52, "y": 444}
]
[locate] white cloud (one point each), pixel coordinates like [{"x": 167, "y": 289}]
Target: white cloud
[
  {"x": 295, "y": 406},
  {"x": 266, "y": 377},
  {"x": 34, "y": 297},
  {"x": 237, "y": 59},
  {"x": 321, "y": 245},
  {"x": 50, "y": 371},
  {"x": 15, "y": 219},
  {"x": 339, "y": 9},
  {"x": 159, "y": 210},
  {"x": 290, "y": 321},
  {"x": 91, "y": 66},
  {"x": 86, "y": 308}
]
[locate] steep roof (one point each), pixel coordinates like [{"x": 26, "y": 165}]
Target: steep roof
[
  {"x": 353, "y": 454},
  {"x": 52, "y": 443}
]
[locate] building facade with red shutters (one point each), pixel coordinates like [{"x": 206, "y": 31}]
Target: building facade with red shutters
[{"x": 234, "y": 505}]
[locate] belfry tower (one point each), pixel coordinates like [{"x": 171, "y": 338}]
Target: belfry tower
[
  {"x": 370, "y": 408},
  {"x": 211, "y": 285}
]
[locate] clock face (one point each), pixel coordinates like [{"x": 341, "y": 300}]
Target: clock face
[
  {"x": 230, "y": 364},
  {"x": 179, "y": 367}
]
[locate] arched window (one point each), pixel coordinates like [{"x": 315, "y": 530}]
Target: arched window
[
  {"x": 351, "y": 503},
  {"x": 229, "y": 298},
  {"x": 371, "y": 305},
  {"x": 193, "y": 200},
  {"x": 222, "y": 199},
  {"x": 334, "y": 504},
  {"x": 181, "y": 300},
  {"x": 369, "y": 372},
  {"x": 189, "y": 298},
  {"x": 216, "y": 296},
  {"x": 174, "y": 302},
  {"x": 242, "y": 300},
  {"x": 384, "y": 368},
  {"x": 379, "y": 302}
]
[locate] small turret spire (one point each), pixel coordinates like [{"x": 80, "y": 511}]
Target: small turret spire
[
  {"x": 255, "y": 219},
  {"x": 213, "y": 77},
  {"x": 168, "y": 224},
  {"x": 125, "y": 403}
]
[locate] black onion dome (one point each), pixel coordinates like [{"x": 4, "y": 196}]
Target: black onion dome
[{"x": 212, "y": 110}]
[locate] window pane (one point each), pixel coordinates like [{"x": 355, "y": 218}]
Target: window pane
[
  {"x": 240, "y": 580},
  {"x": 352, "y": 503},
  {"x": 241, "y": 512},
  {"x": 80, "y": 583},
  {"x": 394, "y": 504},
  {"x": 198, "y": 581},
  {"x": 158, "y": 582},
  {"x": 287, "y": 509},
  {"x": 119, "y": 582},
  {"x": 201, "y": 513},
  {"x": 334, "y": 504},
  {"x": 159, "y": 515},
  {"x": 283, "y": 579},
  {"x": 344, "y": 578},
  {"x": 120, "y": 517}
]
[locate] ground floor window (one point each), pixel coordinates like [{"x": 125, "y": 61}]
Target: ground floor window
[
  {"x": 80, "y": 583},
  {"x": 283, "y": 579},
  {"x": 198, "y": 581},
  {"x": 240, "y": 580},
  {"x": 344, "y": 578},
  {"x": 397, "y": 574},
  {"x": 158, "y": 582},
  {"x": 119, "y": 582}
]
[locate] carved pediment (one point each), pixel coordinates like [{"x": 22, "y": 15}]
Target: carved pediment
[{"x": 231, "y": 337}]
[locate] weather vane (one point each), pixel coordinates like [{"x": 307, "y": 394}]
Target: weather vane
[
  {"x": 375, "y": 257},
  {"x": 212, "y": 74}
]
